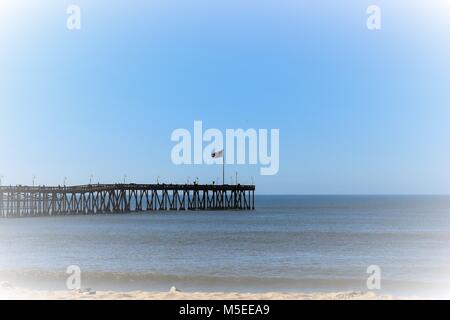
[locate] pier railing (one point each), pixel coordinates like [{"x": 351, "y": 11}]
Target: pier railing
[{"x": 26, "y": 201}]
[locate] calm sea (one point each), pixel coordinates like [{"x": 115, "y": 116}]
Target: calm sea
[{"x": 289, "y": 243}]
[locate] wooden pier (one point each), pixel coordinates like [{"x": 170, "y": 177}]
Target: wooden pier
[{"x": 25, "y": 201}]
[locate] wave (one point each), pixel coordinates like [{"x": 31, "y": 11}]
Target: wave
[{"x": 124, "y": 281}]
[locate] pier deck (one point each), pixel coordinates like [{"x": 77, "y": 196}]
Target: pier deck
[{"x": 26, "y": 201}]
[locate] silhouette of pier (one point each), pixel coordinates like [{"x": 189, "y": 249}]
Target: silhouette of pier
[{"x": 26, "y": 201}]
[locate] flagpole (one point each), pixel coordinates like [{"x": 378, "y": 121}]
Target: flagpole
[{"x": 223, "y": 167}]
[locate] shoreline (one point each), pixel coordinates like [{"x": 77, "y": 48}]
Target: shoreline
[{"x": 14, "y": 293}]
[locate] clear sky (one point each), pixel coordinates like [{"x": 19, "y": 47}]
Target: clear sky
[{"x": 359, "y": 111}]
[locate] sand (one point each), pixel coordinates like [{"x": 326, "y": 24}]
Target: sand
[{"x": 88, "y": 294}]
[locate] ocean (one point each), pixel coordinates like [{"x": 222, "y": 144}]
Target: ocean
[{"x": 289, "y": 243}]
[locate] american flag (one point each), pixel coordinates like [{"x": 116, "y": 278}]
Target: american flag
[{"x": 217, "y": 154}]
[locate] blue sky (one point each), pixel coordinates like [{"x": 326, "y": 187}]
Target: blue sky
[{"x": 359, "y": 111}]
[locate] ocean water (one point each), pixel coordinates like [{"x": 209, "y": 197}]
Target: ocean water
[{"x": 289, "y": 243}]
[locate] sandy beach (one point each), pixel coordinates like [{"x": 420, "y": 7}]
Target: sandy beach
[{"x": 89, "y": 294}]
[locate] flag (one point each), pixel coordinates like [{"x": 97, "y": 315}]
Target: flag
[{"x": 217, "y": 154}]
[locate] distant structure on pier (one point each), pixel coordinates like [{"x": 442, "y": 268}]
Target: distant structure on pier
[{"x": 25, "y": 201}]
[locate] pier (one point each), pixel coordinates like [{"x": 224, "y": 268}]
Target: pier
[{"x": 26, "y": 201}]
